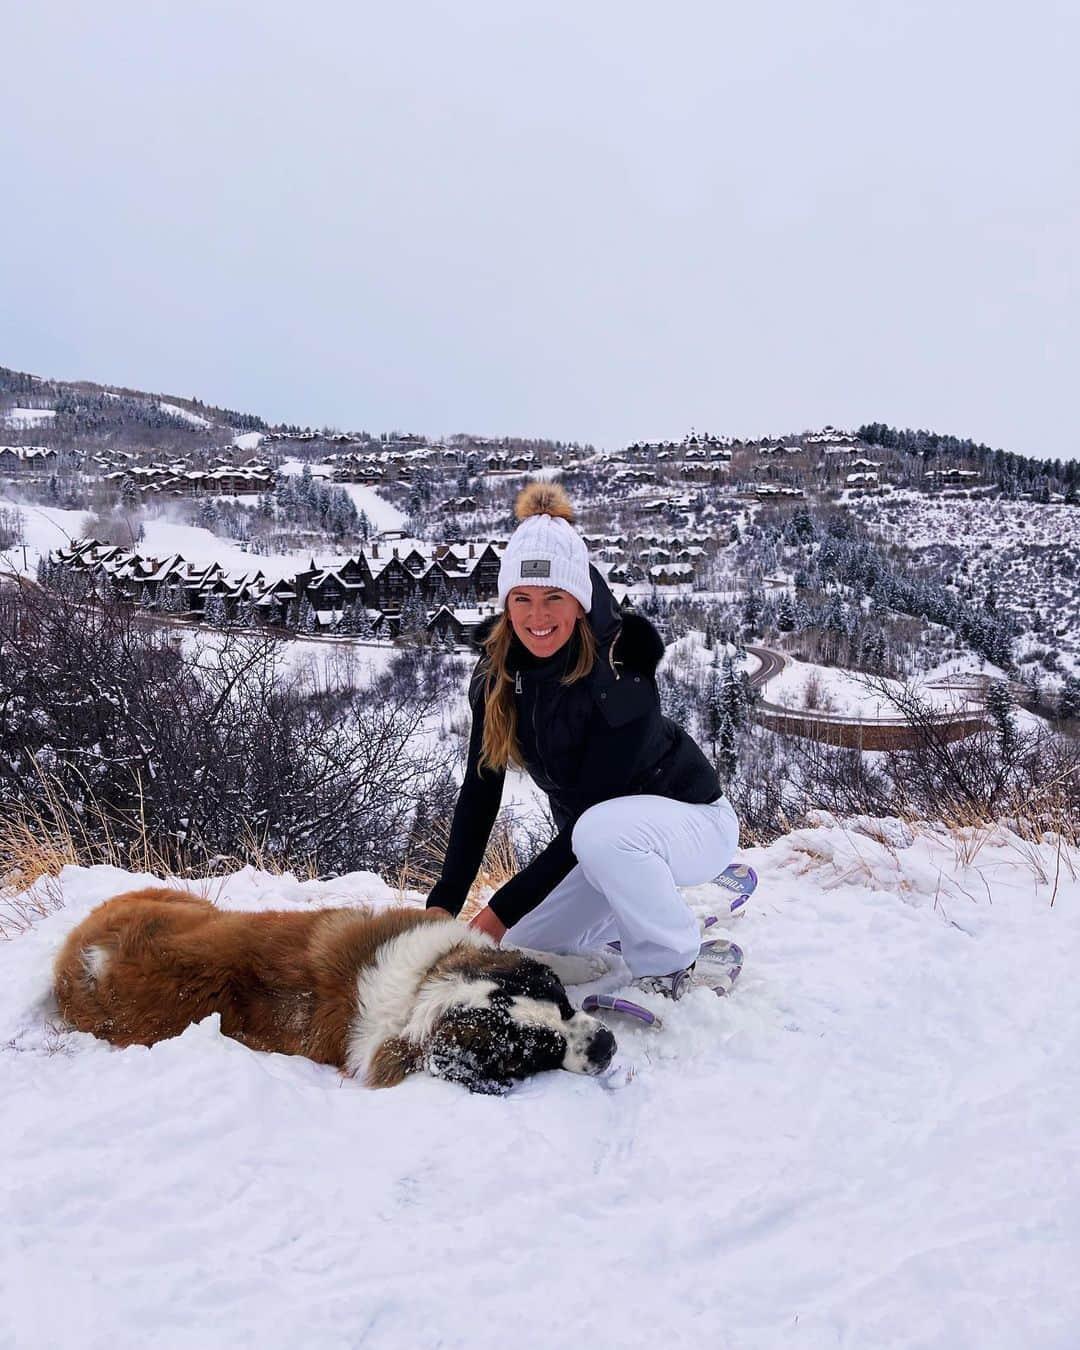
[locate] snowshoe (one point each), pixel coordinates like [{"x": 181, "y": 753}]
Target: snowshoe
[{"x": 717, "y": 968}]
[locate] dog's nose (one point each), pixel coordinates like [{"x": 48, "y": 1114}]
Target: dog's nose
[{"x": 601, "y": 1050}]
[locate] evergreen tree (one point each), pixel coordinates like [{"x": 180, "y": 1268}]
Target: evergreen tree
[
  {"x": 305, "y": 491},
  {"x": 414, "y": 615},
  {"x": 713, "y": 713},
  {"x": 999, "y": 705},
  {"x": 307, "y": 620},
  {"x": 172, "y": 598},
  {"x": 1069, "y": 699},
  {"x": 785, "y": 614},
  {"x": 727, "y": 757},
  {"x": 215, "y": 612},
  {"x": 732, "y": 696},
  {"x": 349, "y": 622},
  {"x": 752, "y": 609},
  {"x": 675, "y": 701}
]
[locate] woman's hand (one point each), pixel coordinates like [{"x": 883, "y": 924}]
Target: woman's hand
[
  {"x": 438, "y": 909},
  {"x": 487, "y": 922}
]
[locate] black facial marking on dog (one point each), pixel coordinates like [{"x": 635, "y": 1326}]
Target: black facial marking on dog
[{"x": 524, "y": 1025}]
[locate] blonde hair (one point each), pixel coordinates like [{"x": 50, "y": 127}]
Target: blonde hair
[{"x": 500, "y": 748}]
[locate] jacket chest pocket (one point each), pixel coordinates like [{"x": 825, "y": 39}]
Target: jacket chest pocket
[{"x": 626, "y": 699}]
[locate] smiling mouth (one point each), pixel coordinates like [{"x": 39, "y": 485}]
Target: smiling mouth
[{"x": 541, "y": 633}]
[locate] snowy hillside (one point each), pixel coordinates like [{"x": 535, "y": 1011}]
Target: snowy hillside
[{"x": 872, "y": 1143}]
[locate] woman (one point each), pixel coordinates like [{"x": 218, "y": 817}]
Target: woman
[{"x": 566, "y": 691}]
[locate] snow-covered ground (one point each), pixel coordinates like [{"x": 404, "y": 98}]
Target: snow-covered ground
[
  {"x": 185, "y": 414},
  {"x": 43, "y": 529},
  {"x": 952, "y": 687},
  {"x": 873, "y": 1143},
  {"x": 382, "y": 514},
  {"x": 23, "y": 418}
]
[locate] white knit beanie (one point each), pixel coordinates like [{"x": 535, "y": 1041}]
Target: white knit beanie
[{"x": 545, "y": 549}]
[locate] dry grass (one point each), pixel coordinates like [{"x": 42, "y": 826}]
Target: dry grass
[
  {"x": 35, "y": 848},
  {"x": 420, "y": 871},
  {"x": 968, "y": 834}
]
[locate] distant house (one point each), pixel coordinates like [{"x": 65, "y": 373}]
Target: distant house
[
  {"x": 380, "y": 584},
  {"x": 17, "y": 458},
  {"x": 951, "y": 475},
  {"x": 771, "y": 491},
  {"x": 671, "y": 574}
]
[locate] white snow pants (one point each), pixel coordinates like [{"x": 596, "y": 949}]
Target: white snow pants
[{"x": 633, "y": 853}]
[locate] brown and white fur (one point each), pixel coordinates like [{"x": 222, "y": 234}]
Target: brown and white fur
[{"x": 377, "y": 994}]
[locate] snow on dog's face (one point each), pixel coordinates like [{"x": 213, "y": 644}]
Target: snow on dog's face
[{"x": 485, "y": 1017}]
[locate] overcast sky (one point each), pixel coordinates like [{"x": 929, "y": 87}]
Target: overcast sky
[{"x": 596, "y": 221}]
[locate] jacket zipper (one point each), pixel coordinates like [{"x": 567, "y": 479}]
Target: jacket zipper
[
  {"x": 536, "y": 734},
  {"x": 611, "y": 654}
]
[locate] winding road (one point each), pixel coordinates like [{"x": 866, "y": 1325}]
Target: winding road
[{"x": 865, "y": 733}]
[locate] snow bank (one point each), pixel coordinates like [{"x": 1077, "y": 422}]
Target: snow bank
[
  {"x": 185, "y": 414},
  {"x": 871, "y": 1143}
]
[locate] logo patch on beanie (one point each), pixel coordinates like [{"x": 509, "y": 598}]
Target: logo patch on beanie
[{"x": 536, "y": 567}]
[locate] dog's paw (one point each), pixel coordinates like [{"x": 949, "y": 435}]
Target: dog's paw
[{"x": 579, "y": 968}]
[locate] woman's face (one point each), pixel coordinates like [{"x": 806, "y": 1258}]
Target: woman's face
[{"x": 542, "y": 617}]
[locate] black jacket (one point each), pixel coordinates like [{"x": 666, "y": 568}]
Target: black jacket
[{"x": 583, "y": 743}]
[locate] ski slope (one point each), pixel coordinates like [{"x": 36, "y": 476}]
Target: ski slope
[{"x": 874, "y": 1142}]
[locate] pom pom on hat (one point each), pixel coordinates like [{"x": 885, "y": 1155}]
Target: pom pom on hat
[
  {"x": 545, "y": 549},
  {"x": 543, "y": 499}
]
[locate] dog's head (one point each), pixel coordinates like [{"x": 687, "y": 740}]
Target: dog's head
[{"x": 485, "y": 1017}]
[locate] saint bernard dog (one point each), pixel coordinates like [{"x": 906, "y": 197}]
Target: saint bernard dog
[{"x": 379, "y": 995}]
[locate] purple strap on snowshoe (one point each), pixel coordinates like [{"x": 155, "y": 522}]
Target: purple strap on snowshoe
[
  {"x": 609, "y": 1003},
  {"x": 739, "y": 879}
]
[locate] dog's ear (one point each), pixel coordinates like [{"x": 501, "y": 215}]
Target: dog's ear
[
  {"x": 468, "y": 1046},
  {"x": 392, "y": 1062}
]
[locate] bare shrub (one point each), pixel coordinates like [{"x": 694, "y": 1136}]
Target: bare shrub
[
  {"x": 815, "y": 697},
  {"x": 11, "y": 526},
  {"x": 124, "y": 748}
]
